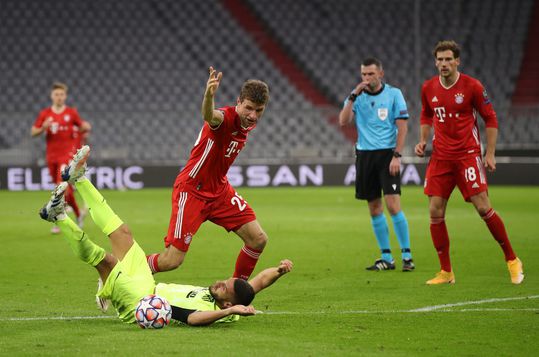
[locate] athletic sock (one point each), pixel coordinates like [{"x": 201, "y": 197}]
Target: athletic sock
[
  {"x": 80, "y": 244},
  {"x": 400, "y": 225},
  {"x": 103, "y": 216},
  {"x": 70, "y": 199},
  {"x": 246, "y": 262},
  {"x": 152, "y": 260},
  {"x": 440, "y": 239},
  {"x": 497, "y": 229},
  {"x": 381, "y": 231}
]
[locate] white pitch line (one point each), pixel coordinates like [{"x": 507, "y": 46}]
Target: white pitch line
[
  {"x": 438, "y": 308},
  {"x": 531, "y": 309},
  {"x": 477, "y": 302},
  {"x": 379, "y": 312},
  {"x": 444, "y": 308},
  {"x": 57, "y": 318}
]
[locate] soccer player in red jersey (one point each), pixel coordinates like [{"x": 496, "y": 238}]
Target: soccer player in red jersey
[
  {"x": 449, "y": 104},
  {"x": 62, "y": 125},
  {"x": 202, "y": 191}
]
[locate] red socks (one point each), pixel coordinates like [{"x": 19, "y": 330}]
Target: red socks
[
  {"x": 70, "y": 199},
  {"x": 152, "y": 262},
  {"x": 246, "y": 262},
  {"x": 497, "y": 229},
  {"x": 440, "y": 239}
]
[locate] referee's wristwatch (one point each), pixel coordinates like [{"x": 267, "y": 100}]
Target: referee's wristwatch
[{"x": 397, "y": 154}]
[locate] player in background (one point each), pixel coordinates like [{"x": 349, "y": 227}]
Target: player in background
[
  {"x": 63, "y": 126},
  {"x": 380, "y": 115},
  {"x": 202, "y": 191},
  {"x": 449, "y": 104},
  {"x": 126, "y": 273}
]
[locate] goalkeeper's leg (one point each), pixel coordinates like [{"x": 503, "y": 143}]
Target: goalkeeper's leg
[
  {"x": 103, "y": 216},
  {"x": 78, "y": 240}
]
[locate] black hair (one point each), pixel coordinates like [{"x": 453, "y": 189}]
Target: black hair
[
  {"x": 372, "y": 60},
  {"x": 244, "y": 292}
]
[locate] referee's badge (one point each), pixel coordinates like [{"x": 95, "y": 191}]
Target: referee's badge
[{"x": 382, "y": 113}]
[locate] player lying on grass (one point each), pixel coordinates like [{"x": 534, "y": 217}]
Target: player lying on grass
[{"x": 126, "y": 273}]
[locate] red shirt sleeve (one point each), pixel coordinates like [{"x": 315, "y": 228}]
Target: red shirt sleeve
[
  {"x": 482, "y": 104},
  {"x": 77, "y": 120},
  {"x": 228, "y": 118},
  {"x": 40, "y": 119},
  {"x": 426, "y": 111}
]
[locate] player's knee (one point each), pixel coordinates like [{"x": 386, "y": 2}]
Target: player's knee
[
  {"x": 482, "y": 210},
  {"x": 259, "y": 240},
  {"x": 394, "y": 209},
  {"x": 109, "y": 262},
  {"x": 437, "y": 212},
  {"x": 171, "y": 259},
  {"x": 125, "y": 232},
  {"x": 376, "y": 211},
  {"x": 375, "y": 207}
]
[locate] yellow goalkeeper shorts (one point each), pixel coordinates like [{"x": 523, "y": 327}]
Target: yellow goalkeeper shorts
[{"x": 129, "y": 281}]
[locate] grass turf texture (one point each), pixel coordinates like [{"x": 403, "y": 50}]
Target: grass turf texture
[{"x": 331, "y": 305}]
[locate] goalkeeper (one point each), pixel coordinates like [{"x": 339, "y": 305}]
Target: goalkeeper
[{"x": 125, "y": 273}]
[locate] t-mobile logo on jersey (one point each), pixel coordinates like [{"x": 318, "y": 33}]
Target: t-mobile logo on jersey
[
  {"x": 440, "y": 113},
  {"x": 232, "y": 148}
]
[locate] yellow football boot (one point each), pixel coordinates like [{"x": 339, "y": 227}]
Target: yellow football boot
[
  {"x": 443, "y": 277},
  {"x": 515, "y": 269}
]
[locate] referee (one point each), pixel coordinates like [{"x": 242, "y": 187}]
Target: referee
[{"x": 380, "y": 115}]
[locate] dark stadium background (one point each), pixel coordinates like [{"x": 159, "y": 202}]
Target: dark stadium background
[{"x": 137, "y": 71}]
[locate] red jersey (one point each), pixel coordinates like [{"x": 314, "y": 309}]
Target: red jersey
[
  {"x": 81, "y": 138},
  {"x": 214, "y": 152},
  {"x": 452, "y": 113},
  {"x": 62, "y": 135}
]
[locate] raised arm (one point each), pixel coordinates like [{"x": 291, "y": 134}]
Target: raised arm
[
  {"x": 202, "y": 318},
  {"x": 210, "y": 115},
  {"x": 347, "y": 114},
  {"x": 268, "y": 276}
]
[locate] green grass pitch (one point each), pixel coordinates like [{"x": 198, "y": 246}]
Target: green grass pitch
[{"x": 328, "y": 305}]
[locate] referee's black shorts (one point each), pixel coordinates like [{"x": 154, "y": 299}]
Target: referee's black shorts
[{"x": 372, "y": 174}]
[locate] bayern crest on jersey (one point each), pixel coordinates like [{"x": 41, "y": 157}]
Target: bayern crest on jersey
[
  {"x": 67, "y": 117},
  {"x": 382, "y": 113},
  {"x": 459, "y": 98}
]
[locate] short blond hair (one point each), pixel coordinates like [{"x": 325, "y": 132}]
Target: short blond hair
[{"x": 59, "y": 85}]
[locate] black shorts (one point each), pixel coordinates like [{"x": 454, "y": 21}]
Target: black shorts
[{"x": 372, "y": 175}]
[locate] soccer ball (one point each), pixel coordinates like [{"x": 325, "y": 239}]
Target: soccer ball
[{"x": 153, "y": 312}]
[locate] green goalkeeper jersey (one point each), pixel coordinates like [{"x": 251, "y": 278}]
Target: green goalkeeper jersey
[{"x": 191, "y": 298}]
